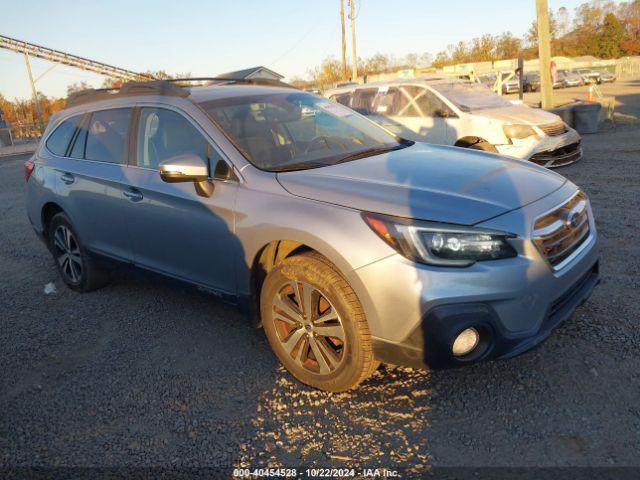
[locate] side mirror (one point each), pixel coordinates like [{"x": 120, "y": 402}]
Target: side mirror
[
  {"x": 443, "y": 113},
  {"x": 187, "y": 168}
]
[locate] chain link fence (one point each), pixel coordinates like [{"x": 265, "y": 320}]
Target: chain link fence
[{"x": 628, "y": 67}]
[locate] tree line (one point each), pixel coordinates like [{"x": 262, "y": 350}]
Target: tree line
[
  {"x": 601, "y": 28},
  {"x": 21, "y": 114}
]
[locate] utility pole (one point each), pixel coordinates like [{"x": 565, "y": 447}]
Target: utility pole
[
  {"x": 544, "y": 53},
  {"x": 354, "y": 66},
  {"x": 344, "y": 42}
]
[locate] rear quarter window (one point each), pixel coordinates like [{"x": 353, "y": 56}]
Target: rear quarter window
[
  {"x": 342, "y": 98},
  {"x": 58, "y": 141}
]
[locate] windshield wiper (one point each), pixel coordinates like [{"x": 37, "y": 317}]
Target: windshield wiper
[
  {"x": 292, "y": 167},
  {"x": 369, "y": 152}
]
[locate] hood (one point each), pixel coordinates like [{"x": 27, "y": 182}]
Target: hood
[
  {"x": 518, "y": 114},
  {"x": 427, "y": 182}
]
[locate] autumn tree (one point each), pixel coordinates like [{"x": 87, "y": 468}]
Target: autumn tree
[
  {"x": 327, "y": 74},
  {"x": 507, "y": 46},
  {"x": 482, "y": 49},
  {"x": 442, "y": 59},
  {"x": 378, "y": 63},
  {"x": 77, "y": 87},
  {"x": 629, "y": 15},
  {"x": 611, "y": 37},
  {"x": 531, "y": 37},
  {"x": 112, "y": 83}
]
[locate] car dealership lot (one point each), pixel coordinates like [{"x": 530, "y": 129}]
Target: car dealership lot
[{"x": 150, "y": 372}]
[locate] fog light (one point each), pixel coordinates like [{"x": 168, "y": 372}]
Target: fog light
[{"x": 465, "y": 342}]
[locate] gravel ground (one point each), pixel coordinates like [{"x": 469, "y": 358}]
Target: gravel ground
[
  {"x": 150, "y": 372},
  {"x": 623, "y": 92}
]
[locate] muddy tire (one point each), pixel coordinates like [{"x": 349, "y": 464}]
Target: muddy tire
[{"x": 315, "y": 324}]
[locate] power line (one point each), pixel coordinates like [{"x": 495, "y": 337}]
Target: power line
[{"x": 297, "y": 44}]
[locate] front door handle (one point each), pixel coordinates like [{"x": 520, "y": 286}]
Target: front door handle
[
  {"x": 133, "y": 195},
  {"x": 67, "y": 178}
]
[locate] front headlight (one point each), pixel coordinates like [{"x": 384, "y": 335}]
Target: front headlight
[
  {"x": 518, "y": 131},
  {"x": 440, "y": 244}
]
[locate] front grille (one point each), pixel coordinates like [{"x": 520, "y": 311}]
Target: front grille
[
  {"x": 553, "y": 129},
  {"x": 558, "y": 157},
  {"x": 560, "y": 233}
]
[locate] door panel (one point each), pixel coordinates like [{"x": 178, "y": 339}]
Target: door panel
[
  {"x": 420, "y": 129},
  {"x": 91, "y": 193},
  {"x": 173, "y": 229},
  {"x": 90, "y": 183},
  {"x": 411, "y": 111}
]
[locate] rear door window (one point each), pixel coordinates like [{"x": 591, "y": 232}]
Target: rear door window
[
  {"x": 386, "y": 101},
  {"x": 362, "y": 101},
  {"x": 107, "y": 134},
  {"x": 417, "y": 101},
  {"x": 58, "y": 141}
]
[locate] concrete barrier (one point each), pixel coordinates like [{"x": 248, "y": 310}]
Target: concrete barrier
[{"x": 18, "y": 149}]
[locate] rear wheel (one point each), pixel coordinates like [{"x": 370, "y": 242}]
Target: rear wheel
[
  {"x": 76, "y": 267},
  {"x": 315, "y": 324}
]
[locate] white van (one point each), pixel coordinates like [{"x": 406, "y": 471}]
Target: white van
[{"x": 449, "y": 111}]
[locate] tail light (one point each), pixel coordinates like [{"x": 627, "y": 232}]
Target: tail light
[{"x": 29, "y": 166}]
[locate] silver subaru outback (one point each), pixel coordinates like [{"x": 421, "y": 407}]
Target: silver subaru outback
[{"x": 350, "y": 246}]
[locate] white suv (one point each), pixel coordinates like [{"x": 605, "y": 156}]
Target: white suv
[{"x": 449, "y": 111}]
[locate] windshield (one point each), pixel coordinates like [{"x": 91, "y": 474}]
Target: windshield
[
  {"x": 471, "y": 96},
  {"x": 297, "y": 130}
]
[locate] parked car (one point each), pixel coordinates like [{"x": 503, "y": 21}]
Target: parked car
[
  {"x": 588, "y": 75},
  {"x": 355, "y": 246},
  {"x": 607, "y": 77},
  {"x": 488, "y": 79},
  {"x": 449, "y": 112},
  {"x": 559, "y": 80},
  {"x": 510, "y": 84},
  {"x": 531, "y": 82},
  {"x": 570, "y": 78}
]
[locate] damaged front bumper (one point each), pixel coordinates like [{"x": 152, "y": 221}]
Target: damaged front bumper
[{"x": 550, "y": 151}]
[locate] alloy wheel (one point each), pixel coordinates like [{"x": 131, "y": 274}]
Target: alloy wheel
[
  {"x": 309, "y": 328},
  {"x": 67, "y": 253}
]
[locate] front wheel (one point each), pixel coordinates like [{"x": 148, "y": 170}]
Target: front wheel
[
  {"x": 484, "y": 146},
  {"x": 315, "y": 324}
]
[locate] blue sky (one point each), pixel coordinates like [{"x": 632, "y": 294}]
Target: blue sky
[{"x": 205, "y": 38}]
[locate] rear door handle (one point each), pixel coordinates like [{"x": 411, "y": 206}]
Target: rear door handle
[
  {"x": 67, "y": 178},
  {"x": 133, "y": 195}
]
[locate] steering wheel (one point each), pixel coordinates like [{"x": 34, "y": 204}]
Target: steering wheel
[{"x": 316, "y": 143}]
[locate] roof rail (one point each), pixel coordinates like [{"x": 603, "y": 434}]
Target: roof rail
[
  {"x": 129, "y": 89},
  {"x": 231, "y": 80},
  {"x": 162, "y": 88}
]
